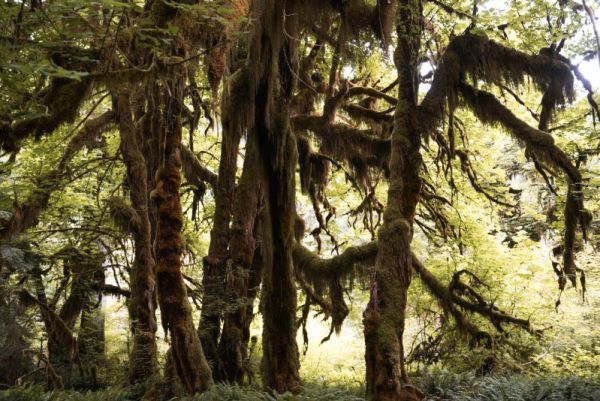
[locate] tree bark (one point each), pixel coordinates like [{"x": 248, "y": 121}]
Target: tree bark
[
  {"x": 271, "y": 83},
  {"x": 143, "y": 359},
  {"x": 273, "y": 56},
  {"x": 188, "y": 357},
  {"x": 242, "y": 246},
  {"x": 280, "y": 362},
  {"x": 385, "y": 314},
  {"x": 215, "y": 262},
  {"x": 91, "y": 338}
]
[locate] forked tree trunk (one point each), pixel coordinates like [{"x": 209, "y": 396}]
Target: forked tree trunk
[
  {"x": 214, "y": 267},
  {"x": 143, "y": 358},
  {"x": 385, "y": 315},
  {"x": 217, "y": 62},
  {"x": 83, "y": 271},
  {"x": 271, "y": 57},
  {"x": 242, "y": 246},
  {"x": 188, "y": 357}
]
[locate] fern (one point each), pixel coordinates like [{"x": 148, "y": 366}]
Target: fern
[{"x": 437, "y": 386}]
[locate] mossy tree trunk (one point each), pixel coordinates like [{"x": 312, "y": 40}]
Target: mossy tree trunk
[
  {"x": 186, "y": 349},
  {"x": 242, "y": 246},
  {"x": 385, "y": 314},
  {"x": 220, "y": 59},
  {"x": 91, "y": 338},
  {"x": 143, "y": 358},
  {"x": 83, "y": 270},
  {"x": 280, "y": 363},
  {"x": 215, "y": 262},
  {"x": 272, "y": 58}
]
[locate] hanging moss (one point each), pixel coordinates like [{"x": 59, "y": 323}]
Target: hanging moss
[
  {"x": 124, "y": 216},
  {"x": 475, "y": 57},
  {"x": 322, "y": 278},
  {"x": 489, "y": 110}
]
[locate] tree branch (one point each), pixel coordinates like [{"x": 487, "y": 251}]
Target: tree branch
[{"x": 195, "y": 173}]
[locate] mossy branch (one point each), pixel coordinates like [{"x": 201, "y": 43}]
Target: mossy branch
[
  {"x": 479, "y": 58},
  {"x": 123, "y": 215},
  {"x": 315, "y": 268},
  {"x": 57, "y": 327},
  {"x": 449, "y": 298},
  {"x": 194, "y": 172},
  {"x": 317, "y": 271},
  {"x": 61, "y": 98},
  {"x": 540, "y": 144},
  {"x": 26, "y": 215},
  {"x": 371, "y": 92}
]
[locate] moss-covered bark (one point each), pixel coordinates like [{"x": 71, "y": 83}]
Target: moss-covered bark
[
  {"x": 273, "y": 57},
  {"x": 242, "y": 246},
  {"x": 142, "y": 306},
  {"x": 270, "y": 188},
  {"x": 215, "y": 262},
  {"x": 385, "y": 315},
  {"x": 91, "y": 338},
  {"x": 26, "y": 214},
  {"x": 186, "y": 349},
  {"x": 280, "y": 362}
]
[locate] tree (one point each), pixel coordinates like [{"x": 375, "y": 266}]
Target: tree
[{"x": 274, "y": 73}]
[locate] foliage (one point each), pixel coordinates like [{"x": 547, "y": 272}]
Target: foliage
[
  {"x": 444, "y": 385},
  {"x": 436, "y": 386},
  {"x": 494, "y": 216},
  {"x": 16, "y": 331},
  {"x": 38, "y": 393}
]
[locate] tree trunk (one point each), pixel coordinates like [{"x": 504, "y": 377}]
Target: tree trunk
[
  {"x": 82, "y": 270},
  {"x": 242, "y": 246},
  {"x": 385, "y": 314},
  {"x": 215, "y": 262},
  {"x": 280, "y": 364},
  {"x": 249, "y": 342},
  {"x": 274, "y": 56},
  {"x": 188, "y": 357},
  {"x": 143, "y": 358},
  {"x": 91, "y": 338}
]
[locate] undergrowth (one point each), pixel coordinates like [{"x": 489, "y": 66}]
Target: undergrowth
[
  {"x": 444, "y": 386},
  {"x": 440, "y": 386}
]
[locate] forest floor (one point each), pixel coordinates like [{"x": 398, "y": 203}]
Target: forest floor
[{"x": 444, "y": 387}]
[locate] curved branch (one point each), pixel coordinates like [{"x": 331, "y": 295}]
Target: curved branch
[
  {"x": 59, "y": 329},
  {"x": 62, "y": 98},
  {"x": 27, "y": 214},
  {"x": 541, "y": 144},
  {"x": 476, "y": 56},
  {"x": 195, "y": 173},
  {"x": 371, "y": 92},
  {"x": 314, "y": 267},
  {"x": 444, "y": 296},
  {"x": 451, "y": 10}
]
